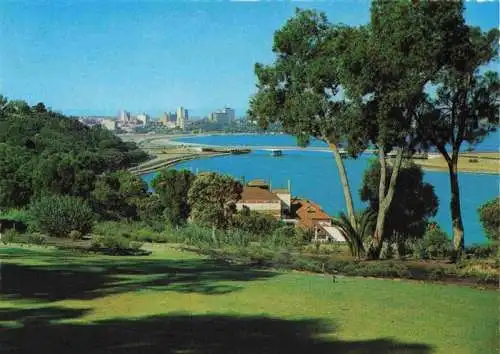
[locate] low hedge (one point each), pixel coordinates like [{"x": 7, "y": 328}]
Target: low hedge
[{"x": 465, "y": 273}]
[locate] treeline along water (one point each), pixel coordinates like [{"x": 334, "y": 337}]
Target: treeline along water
[{"x": 314, "y": 175}]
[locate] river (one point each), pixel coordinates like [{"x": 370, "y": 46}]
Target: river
[{"x": 314, "y": 175}]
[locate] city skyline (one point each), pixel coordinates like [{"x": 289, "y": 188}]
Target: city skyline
[{"x": 90, "y": 58}]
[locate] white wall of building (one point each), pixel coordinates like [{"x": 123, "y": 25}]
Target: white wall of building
[
  {"x": 143, "y": 118},
  {"x": 109, "y": 124},
  {"x": 286, "y": 199},
  {"x": 269, "y": 207}
]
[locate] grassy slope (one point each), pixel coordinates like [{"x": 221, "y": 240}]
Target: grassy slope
[
  {"x": 228, "y": 308},
  {"x": 487, "y": 162}
]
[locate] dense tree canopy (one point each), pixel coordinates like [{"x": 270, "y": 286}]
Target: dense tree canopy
[
  {"x": 43, "y": 151},
  {"x": 464, "y": 108},
  {"x": 118, "y": 195},
  {"x": 413, "y": 204},
  {"x": 172, "y": 188},
  {"x": 213, "y": 199},
  {"x": 489, "y": 214}
]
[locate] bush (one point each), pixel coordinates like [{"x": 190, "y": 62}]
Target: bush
[
  {"x": 75, "y": 235},
  {"x": 489, "y": 214},
  {"x": 96, "y": 243},
  {"x": 481, "y": 251},
  {"x": 304, "y": 237},
  {"x": 10, "y": 236},
  {"x": 136, "y": 246},
  {"x": 58, "y": 215},
  {"x": 434, "y": 244},
  {"x": 115, "y": 243},
  {"x": 37, "y": 239},
  {"x": 283, "y": 237},
  {"x": 473, "y": 160}
]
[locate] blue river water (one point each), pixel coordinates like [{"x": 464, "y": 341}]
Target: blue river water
[
  {"x": 490, "y": 143},
  {"x": 314, "y": 175}
]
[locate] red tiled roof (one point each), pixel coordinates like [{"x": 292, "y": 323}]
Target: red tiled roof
[
  {"x": 257, "y": 195},
  {"x": 308, "y": 213}
]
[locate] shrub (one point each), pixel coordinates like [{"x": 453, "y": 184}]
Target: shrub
[
  {"x": 304, "y": 236},
  {"x": 115, "y": 243},
  {"x": 283, "y": 237},
  {"x": 10, "y": 236},
  {"x": 356, "y": 236},
  {"x": 75, "y": 235},
  {"x": 58, "y": 215},
  {"x": 489, "y": 214},
  {"x": 136, "y": 246},
  {"x": 434, "y": 244},
  {"x": 37, "y": 239},
  {"x": 96, "y": 242},
  {"x": 473, "y": 160},
  {"x": 481, "y": 251}
]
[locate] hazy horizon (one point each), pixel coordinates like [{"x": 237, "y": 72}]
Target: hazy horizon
[{"x": 95, "y": 58}]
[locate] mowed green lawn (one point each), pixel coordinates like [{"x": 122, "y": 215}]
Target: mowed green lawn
[{"x": 178, "y": 302}]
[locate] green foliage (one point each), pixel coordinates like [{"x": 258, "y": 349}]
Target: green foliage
[
  {"x": 255, "y": 223},
  {"x": 45, "y": 152},
  {"x": 172, "y": 187},
  {"x": 131, "y": 230},
  {"x": 481, "y": 251},
  {"x": 75, "y": 235},
  {"x": 119, "y": 195},
  {"x": 434, "y": 244},
  {"x": 18, "y": 215},
  {"x": 304, "y": 236},
  {"x": 57, "y": 215},
  {"x": 115, "y": 243},
  {"x": 136, "y": 246},
  {"x": 10, "y": 236},
  {"x": 414, "y": 202},
  {"x": 297, "y": 90},
  {"x": 489, "y": 214},
  {"x": 356, "y": 236},
  {"x": 150, "y": 209},
  {"x": 37, "y": 239},
  {"x": 283, "y": 237},
  {"x": 213, "y": 199},
  {"x": 15, "y": 177}
]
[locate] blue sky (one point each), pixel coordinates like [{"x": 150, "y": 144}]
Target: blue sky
[{"x": 97, "y": 57}]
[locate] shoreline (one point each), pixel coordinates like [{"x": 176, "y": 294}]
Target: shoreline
[
  {"x": 170, "y": 163},
  {"x": 162, "y": 141}
]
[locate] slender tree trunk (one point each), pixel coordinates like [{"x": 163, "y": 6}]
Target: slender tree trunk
[
  {"x": 384, "y": 200},
  {"x": 344, "y": 181},
  {"x": 456, "y": 211}
]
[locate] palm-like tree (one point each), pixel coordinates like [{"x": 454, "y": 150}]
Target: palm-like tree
[{"x": 356, "y": 235}]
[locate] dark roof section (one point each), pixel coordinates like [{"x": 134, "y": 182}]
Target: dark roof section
[{"x": 257, "y": 195}]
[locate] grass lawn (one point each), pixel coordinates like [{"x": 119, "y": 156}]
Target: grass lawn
[{"x": 178, "y": 302}]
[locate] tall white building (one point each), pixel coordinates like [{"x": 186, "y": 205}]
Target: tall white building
[
  {"x": 182, "y": 117},
  {"x": 223, "y": 116},
  {"x": 124, "y": 116},
  {"x": 109, "y": 124},
  {"x": 230, "y": 114},
  {"x": 143, "y": 118}
]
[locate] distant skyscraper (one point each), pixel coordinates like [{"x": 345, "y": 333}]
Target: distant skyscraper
[
  {"x": 124, "y": 116},
  {"x": 143, "y": 118},
  {"x": 230, "y": 114},
  {"x": 224, "y": 116},
  {"x": 182, "y": 117}
]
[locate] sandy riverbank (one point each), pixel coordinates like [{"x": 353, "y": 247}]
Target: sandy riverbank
[{"x": 469, "y": 162}]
